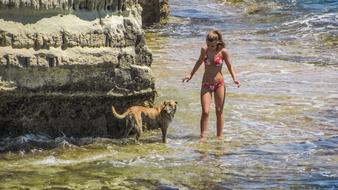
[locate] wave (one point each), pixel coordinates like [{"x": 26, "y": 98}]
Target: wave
[
  {"x": 33, "y": 142},
  {"x": 37, "y": 141},
  {"x": 311, "y": 23},
  {"x": 291, "y": 5},
  {"x": 302, "y": 59},
  {"x": 311, "y": 30}
]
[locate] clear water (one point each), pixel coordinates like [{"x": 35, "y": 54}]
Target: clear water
[{"x": 281, "y": 126}]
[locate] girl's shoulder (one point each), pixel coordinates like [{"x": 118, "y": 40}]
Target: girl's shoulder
[
  {"x": 204, "y": 49},
  {"x": 224, "y": 51}
]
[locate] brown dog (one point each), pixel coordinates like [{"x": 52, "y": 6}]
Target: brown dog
[{"x": 152, "y": 118}]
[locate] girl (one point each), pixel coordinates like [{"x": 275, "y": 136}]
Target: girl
[{"x": 213, "y": 55}]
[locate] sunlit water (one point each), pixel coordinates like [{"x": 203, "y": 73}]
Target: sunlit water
[{"x": 280, "y": 126}]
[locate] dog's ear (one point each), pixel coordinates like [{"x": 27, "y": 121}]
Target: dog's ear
[
  {"x": 176, "y": 102},
  {"x": 165, "y": 102}
]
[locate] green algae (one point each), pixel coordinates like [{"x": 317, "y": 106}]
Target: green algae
[
  {"x": 330, "y": 41},
  {"x": 118, "y": 167},
  {"x": 233, "y": 1}
]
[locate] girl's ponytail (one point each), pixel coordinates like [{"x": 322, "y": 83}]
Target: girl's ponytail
[{"x": 221, "y": 43}]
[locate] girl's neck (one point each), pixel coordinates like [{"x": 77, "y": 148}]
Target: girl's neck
[{"x": 213, "y": 50}]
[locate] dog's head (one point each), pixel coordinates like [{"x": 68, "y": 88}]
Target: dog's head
[{"x": 169, "y": 108}]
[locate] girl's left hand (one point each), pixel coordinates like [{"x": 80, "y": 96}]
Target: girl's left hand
[
  {"x": 187, "y": 78},
  {"x": 237, "y": 83}
]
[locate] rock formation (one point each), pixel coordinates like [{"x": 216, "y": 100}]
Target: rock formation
[
  {"x": 154, "y": 11},
  {"x": 63, "y": 63}
]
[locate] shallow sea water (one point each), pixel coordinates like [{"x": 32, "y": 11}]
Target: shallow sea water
[{"x": 281, "y": 125}]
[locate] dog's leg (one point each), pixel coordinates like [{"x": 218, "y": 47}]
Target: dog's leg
[
  {"x": 138, "y": 127},
  {"x": 164, "y": 134},
  {"x": 130, "y": 123}
]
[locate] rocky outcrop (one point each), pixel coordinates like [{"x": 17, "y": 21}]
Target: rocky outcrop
[
  {"x": 63, "y": 63},
  {"x": 112, "y": 5},
  {"x": 154, "y": 11}
]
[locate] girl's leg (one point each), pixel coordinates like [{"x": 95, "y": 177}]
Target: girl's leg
[
  {"x": 219, "y": 104},
  {"x": 205, "y": 102}
]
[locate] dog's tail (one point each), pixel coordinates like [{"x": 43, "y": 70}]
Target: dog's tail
[{"x": 117, "y": 115}]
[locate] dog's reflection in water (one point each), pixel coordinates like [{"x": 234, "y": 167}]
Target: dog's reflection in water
[{"x": 151, "y": 118}]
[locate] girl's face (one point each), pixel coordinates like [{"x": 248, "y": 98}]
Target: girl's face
[{"x": 212, "y": 45}]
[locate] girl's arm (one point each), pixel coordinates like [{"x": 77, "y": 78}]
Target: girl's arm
[
  {"x": 197, "y": 65},
  {"x": 230, "y": 68}
]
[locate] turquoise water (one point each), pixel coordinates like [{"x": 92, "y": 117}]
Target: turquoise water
[{"x": 280, "y": 126}]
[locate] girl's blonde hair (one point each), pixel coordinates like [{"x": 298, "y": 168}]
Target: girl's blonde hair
[{"x": 216, "y": 35}]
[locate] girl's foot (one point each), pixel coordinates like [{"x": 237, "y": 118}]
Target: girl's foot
[
  {"x": 202, "y": 139},
  {"x": 220, "y": 138}
]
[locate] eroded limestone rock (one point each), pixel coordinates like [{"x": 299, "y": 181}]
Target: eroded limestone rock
[
  {"x": 112, "y": 5},
  {"x": 64, "y": 63}
]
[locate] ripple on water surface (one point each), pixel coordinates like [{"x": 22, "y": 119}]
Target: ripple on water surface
[{"x": 280, "y": 126}]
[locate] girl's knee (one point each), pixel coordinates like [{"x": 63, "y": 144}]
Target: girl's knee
[
  {"x": 205, "y": 113},
  {"x": 219, "y": 111}
]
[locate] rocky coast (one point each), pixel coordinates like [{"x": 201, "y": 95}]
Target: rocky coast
[{"x": 64, "y": 63}]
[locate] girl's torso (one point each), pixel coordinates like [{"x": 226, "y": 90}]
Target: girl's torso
[{"x": 213, "y": 62}]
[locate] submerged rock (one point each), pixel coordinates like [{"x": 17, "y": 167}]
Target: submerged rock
[{"x": 64, "y": 63}]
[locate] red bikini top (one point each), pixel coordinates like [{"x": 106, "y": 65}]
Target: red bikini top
[{"x": 217, "y": 62}]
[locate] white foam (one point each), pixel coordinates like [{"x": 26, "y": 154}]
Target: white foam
[{"x": 52, "y": 160}]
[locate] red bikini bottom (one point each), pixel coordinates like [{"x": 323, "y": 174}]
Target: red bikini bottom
[{"x": 212, "y": 86}]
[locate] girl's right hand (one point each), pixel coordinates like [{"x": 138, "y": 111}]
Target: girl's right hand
[
  {"x": 187, "y": 78},
  {"x": 237, "y": 83}
]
